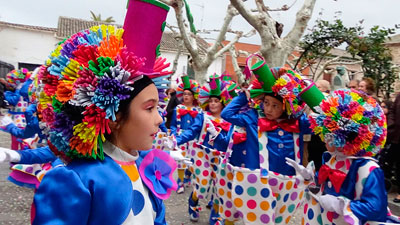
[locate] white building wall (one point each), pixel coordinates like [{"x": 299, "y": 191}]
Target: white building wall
[
  {"x": 182, "y": 65},
  {"x": 216, "y": 67},
  {"x": 25, "y": 46}
]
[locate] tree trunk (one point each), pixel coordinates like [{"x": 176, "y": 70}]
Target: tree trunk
[
  {"x": 274, "y": 56},
  {"x": 200, "y": 75}
]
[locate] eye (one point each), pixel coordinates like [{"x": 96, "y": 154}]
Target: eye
[{"x": 150, "y": 108}]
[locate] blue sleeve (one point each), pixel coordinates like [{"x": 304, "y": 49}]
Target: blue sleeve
[
  {"x": 23, "y": 133},
  {"x": 231, "y": 112},
  {"x": 12, "y": 97},
  {"x": 224, "y": 137},
  {"x": 38, "y": 155},
  {"x": 29, "y": 113},
  {"x": 173, "y": 125},
  {"x": 159, "y": 208},
  {"x": 163, "y": 128},
  {"x": 373, "y": 202},
  {"x": 304, "y": 124},
  {"x": 193, "y": 131},
  {"x": 25, "y": 89},
  {"x": 61, "y": 199}
]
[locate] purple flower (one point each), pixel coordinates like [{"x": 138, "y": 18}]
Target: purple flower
[{"x": 156, "y": 172}]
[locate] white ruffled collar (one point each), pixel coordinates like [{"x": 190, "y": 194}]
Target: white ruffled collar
[{"x": 118, "y": 154}]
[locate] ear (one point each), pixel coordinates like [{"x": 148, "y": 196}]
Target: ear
[{"x": 115, "y": 125}]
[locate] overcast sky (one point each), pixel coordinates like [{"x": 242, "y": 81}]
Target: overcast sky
[{"x": 208, "y": 14}]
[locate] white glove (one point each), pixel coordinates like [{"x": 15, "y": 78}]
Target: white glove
[
  {"x": 8, "y": 155},
  {"x": 332, "y": 203},
  {"x": 169, "y": 143},
  {"x": 211, "y": 128},
  {"x": 5, "y": 121},
  {"x": 307, "y": 174},
  {"x": 177, "y": 156}
]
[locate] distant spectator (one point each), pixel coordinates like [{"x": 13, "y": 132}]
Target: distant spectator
[
  {"x": 386, "y": 105},
  {"x": 169, "y": 92},
  {"x": 323, "y": 85},
  {"x": 367, "y": 85},
  {"x": 172, "y": 103},
  {"x": 354, "y": 84},
  {"x": 394, "y": 139}
]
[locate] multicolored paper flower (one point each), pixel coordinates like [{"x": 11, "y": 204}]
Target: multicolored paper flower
[
  {"x": 82, "y": 85},
  {"x": 351, "y": 120},
  {"x": 156, "y": 171}
]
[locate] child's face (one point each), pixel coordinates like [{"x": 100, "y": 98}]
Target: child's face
[
  {"x": 215, "y": 105},
  {"x": 273, "y": 108},
  {"x": 187, "y": 97},
  {"x": 139, "y": 130}
]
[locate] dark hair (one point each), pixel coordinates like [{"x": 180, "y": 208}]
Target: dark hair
[
  {"x": 219, "y": 98},
  {"x": 388, "y": 103},
  {"x": 173, "y": 102},
  {"x": 124, "y": 105}
]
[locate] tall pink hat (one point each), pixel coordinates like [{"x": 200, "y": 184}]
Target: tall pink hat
[{"x": 145, "y": 42}]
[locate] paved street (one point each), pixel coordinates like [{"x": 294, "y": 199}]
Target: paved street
[{"x": 15, "y": 202}]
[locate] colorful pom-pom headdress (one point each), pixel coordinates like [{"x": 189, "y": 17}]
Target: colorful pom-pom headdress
[
  {"x": 215, "y": 88},
  {"x": 352, "y": 121},
  {"x": 17, "y": 77},
  {"x": 187, "y": 84},
  {"x": 88, "y": 75}
]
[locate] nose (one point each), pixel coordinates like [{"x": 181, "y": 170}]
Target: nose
[{"x": 158, "y": 119}]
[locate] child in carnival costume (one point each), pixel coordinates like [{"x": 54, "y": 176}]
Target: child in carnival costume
[
  {"x": 18, "y": 100},
  {"x": 30, "y": 167},
  {"x": 353, "y": 126},
  {"x": 213, "y": 135},
  {"x": 256, "y": 184},
  {"x": 182, "y": 118},
  {"x": 101, "y": 107}
]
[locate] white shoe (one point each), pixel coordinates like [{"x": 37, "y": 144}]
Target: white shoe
[{"x": 180, "y": 190}]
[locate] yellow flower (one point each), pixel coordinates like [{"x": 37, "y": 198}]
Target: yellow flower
[
  {"x": 354, "y": 96},
  {"x": 281, "y": 82},
  {"x": 356, "y": 117}
]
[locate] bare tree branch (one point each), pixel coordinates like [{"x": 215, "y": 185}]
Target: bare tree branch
[
  {"x": 188, "y": 40},
  {"x": 302, "y": 18},
  {"x": 230, "y": 13},
  {"x": 250, "y": 17}
]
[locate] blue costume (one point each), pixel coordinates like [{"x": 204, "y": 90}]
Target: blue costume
[
  {"x": 255, "y": 163},
  {"x": 89, "y": 189},
  {"x": 280, "y": 142},
  {"x": 182, "y": 122},
  {"x": 220, "y": 142},
  {"x": 361, "y": 186}
]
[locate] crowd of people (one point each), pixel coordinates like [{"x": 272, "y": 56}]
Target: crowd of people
[{"x": 98, "y": 132}]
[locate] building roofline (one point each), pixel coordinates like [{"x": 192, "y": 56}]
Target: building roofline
[{"x": 28, "y": 27}]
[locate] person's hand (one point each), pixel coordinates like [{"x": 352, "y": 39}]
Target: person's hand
[
  {"x": 8, "y": 155},
  {"x": 211, "y": 128},
  {"x": 5, "y": 121},
  {"x": 307, "y": 174},
  {"x": 177, "y": 156},
  {"x": 169, "y": 143},
  {"x": 332, "y": 203}
]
